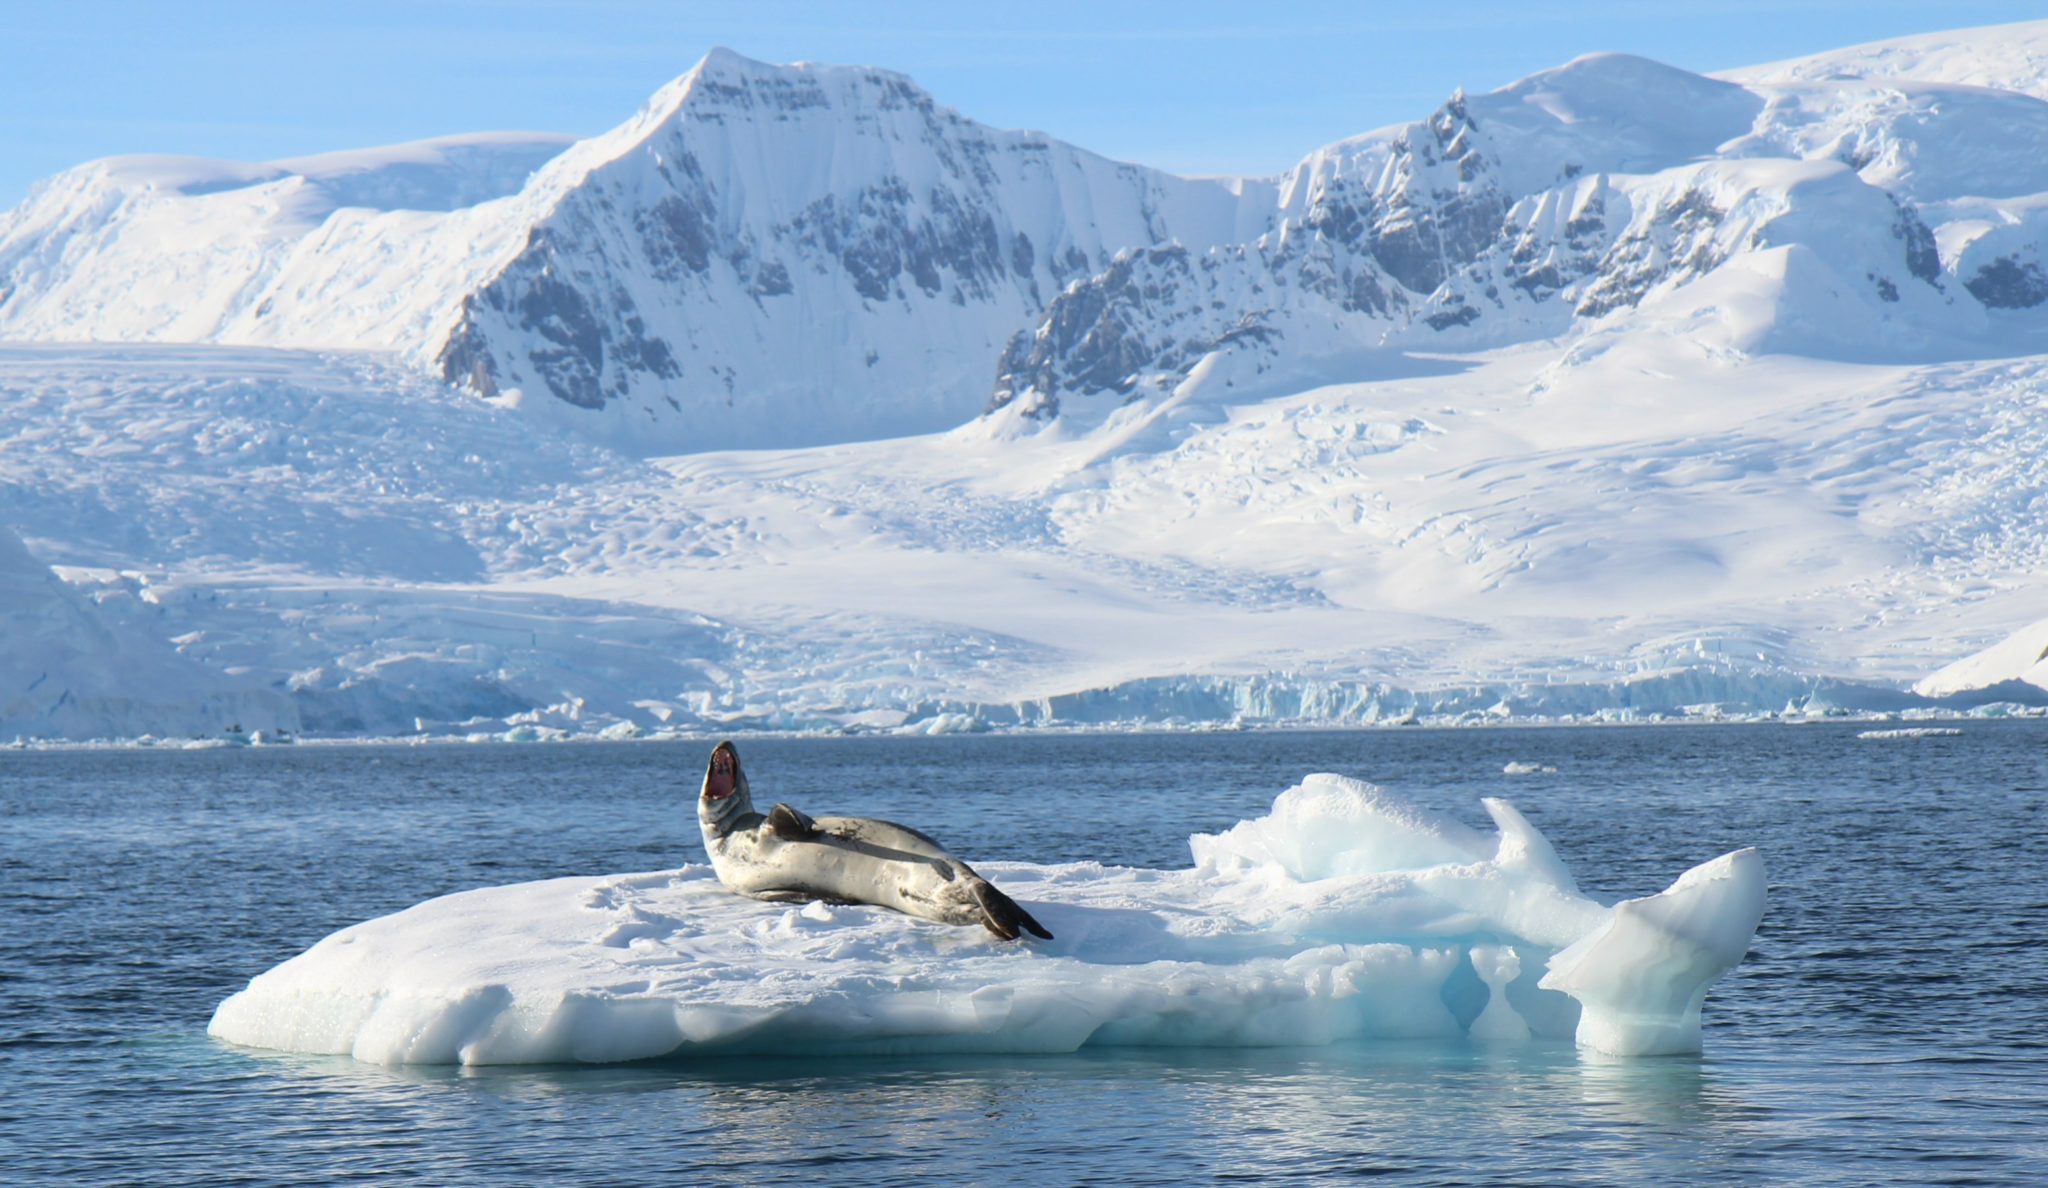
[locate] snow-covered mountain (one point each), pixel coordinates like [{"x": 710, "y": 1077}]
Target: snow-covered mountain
[
  {"x": 763, "y": 255},
  {"x": 1618, "y": 391},
  {"x": 1853, "y": 218},
  {"x": 770, "y": 255}
]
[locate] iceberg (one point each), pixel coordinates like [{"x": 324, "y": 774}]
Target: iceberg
[{"x": 1343, "y": 914}]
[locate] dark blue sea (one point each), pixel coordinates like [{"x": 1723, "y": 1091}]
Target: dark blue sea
[{"x": 1889, "y": 1026}]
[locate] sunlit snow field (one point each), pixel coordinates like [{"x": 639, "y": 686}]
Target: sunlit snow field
[
  {"x": 1504, "y": 530},
  {"x": 1886, "y": 1025}
]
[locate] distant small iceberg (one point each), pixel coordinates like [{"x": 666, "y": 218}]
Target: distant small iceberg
[{"x": 1911, "y": 732}]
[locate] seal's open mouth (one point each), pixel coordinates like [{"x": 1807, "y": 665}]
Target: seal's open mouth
[{"x": 719, "y": 782}]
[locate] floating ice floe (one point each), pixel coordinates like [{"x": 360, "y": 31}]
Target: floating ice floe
[
  {"x": 1342, "y": 915},
  {"x": 1518, "y": 767},
  {"x": 1912, "y": 732}
]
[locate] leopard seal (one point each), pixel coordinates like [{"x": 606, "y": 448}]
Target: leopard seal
[{"x": 784, "y": 856}]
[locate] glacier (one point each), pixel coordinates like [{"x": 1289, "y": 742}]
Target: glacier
[
  {"x": 1342, "y": 915},
  {"x": 799, "y": 401},
  {"x": 388, "y": 557},
  {"x": 75, "y": 672}
]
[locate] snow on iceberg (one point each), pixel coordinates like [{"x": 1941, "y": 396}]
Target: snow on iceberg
[{"x": 1343, "y": 914}]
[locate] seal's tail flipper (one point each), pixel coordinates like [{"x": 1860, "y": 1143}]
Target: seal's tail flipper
[{"x": 1002, "y": 915}]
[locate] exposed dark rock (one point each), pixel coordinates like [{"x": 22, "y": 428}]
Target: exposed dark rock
[
  {"x": 464, "y": 361},
  {"x": 772, "y": 280},
  {"x": 677, "y": 231},
  {"x": 1457, "y": 315},
  {"x": 1089, "y": 340},
  {"x": 1923, "y": 259},
  {"x": 2007, "y": 283},
  {"x": 1677, "y": 243},
  {"x": 572, "y": 357}
]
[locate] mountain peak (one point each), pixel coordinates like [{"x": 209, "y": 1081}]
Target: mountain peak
[
  {"x": 726, "y": 86},
  {"x": 724, "y": 76},
  {"x": 721, "y": 59}
]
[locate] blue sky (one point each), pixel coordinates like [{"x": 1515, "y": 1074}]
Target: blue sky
[{"x": 1188, "y": 85}]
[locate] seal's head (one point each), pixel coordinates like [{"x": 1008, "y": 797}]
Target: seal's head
[{"x": 725, "y": 798}]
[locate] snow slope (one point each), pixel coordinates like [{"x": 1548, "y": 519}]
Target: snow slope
[
  {"x": 1342, "y": 915},
  {"x": 2020, "y": 658},
  {"x": 1996, "y": 57},
  {"x": 186, "y": 249},
  {"x": 1618, "y": 391}
]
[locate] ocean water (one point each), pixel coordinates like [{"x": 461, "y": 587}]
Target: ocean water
[{"x": 1889, "y": 1026}]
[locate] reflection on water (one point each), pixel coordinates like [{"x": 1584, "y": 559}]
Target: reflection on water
[
  {"x": 1426, "y": 1109},
  {"x": 1510, "y": 1113}
]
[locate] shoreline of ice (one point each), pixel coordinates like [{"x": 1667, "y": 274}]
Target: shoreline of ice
[
  {"x": 1342, "y": 915},
  {"x": 518, "y": 736}
]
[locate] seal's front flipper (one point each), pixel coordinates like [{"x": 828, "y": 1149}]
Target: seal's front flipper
[
  {"x": 782, "y": 896},
  {"x": 790, "y": 825},
  {"x": 1001, "y": 915},
  {"x": 799, "y": 895}
]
